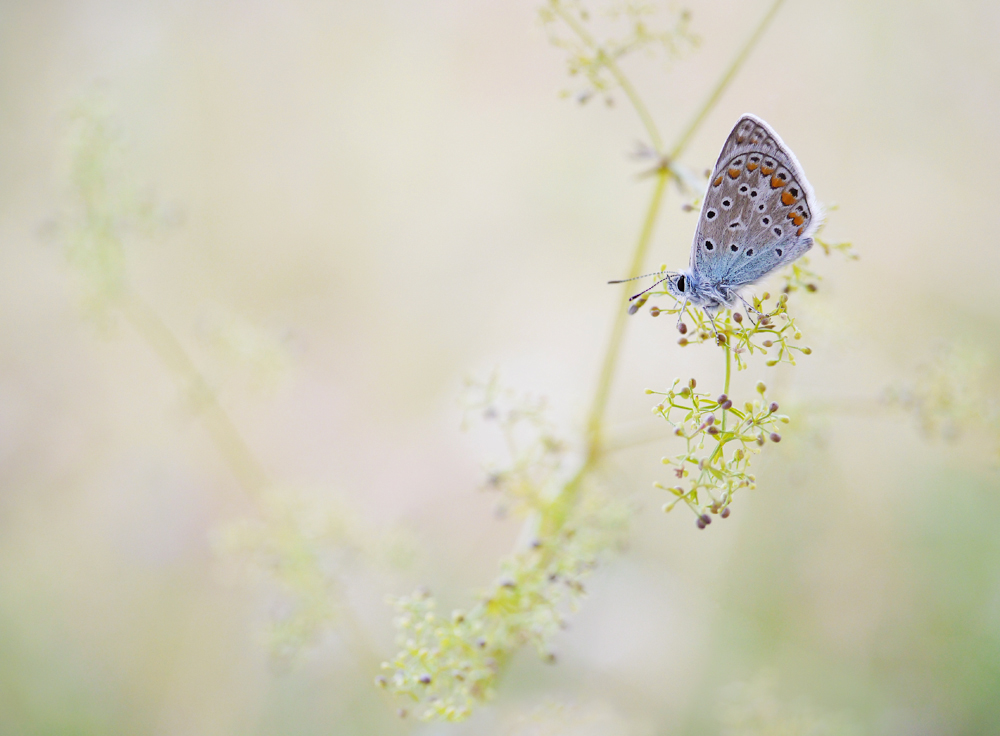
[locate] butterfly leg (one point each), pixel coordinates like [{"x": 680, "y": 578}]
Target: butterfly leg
[
  {"x": 708, "y": 313},
  {"x": 750, "y": 308},
  {"x": 680, "y": 314}
]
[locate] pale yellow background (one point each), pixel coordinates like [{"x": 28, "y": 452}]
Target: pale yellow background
[{"x": 393, "y": 196}]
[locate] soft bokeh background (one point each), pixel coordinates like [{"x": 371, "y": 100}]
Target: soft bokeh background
[{"x": 362, "y": 202}]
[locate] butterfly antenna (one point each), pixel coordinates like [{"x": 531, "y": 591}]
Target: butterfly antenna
[
  {"x": 644, "y": 276},
  {"x": 650, "y": 288}
]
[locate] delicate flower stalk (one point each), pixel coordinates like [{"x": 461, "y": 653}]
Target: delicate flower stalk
[{"x": 449, "y": 665}]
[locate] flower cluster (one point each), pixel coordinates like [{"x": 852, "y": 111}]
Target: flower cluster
[
  {"x": 630, "y": 28},
  {"x": 953, "y": 393},
  {"x": 773, "y": 333},
  {"x": 720, "y": 440},
  {"x": 447, "y": 664}
]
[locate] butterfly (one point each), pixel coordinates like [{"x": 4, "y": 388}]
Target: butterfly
[{"x": 758, "y": 215}]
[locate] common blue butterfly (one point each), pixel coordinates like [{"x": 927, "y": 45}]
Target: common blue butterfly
[{"x": 758, "y": 215}]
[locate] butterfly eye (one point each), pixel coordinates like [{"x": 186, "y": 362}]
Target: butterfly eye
[{"x": 680, "y": 284}]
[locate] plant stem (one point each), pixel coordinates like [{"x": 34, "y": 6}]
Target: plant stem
[
  {"x": 612, "y": 66},
  {"x": 231, "y": 445},
  {"x": 595, "y": 420},
  {"x": 724, "y": 81}
]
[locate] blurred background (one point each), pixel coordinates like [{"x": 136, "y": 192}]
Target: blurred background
[{"x": 346, "y": 209}]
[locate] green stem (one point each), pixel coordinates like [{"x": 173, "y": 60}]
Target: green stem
[
  {"x": 233, "y": 448},
  {"x": 724, "y": 81},
  {"x": 595, "y": 420},
  {"x": 612, "y": 66}
]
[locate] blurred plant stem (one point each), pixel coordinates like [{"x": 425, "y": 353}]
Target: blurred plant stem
[
  {"x": 103, "y": 212},
  {"x": 200, "y": 397}
]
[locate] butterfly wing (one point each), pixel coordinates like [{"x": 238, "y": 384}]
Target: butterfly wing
[{"x": 759, "y": 210}]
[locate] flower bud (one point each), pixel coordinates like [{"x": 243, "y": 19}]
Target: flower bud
[
  {"x": 713, "y": 430},
  {"x": 721, "y": 339},
  {"x": 682, "y": 342},
  {"x": 775, "y": 437},
  {"x": 682, "y": 328},
  {"x": 710, "y": 420},
  {"x": 685, "y": 392},
  {"x": 767, "y": 343},
  {"x": 726, "y": 405},
  {"x": 807, "y": 351},
  {"x": 765, "y": 296},
  {"x": 649, "y": 391},
  {"x": 722, "y": 398},
  {"x": 761, "y": 388},
  {"x": 773, "y": 407},
  {"x": 725, "y": 513},
  {"x": 692, "y": 383},
  {"x": 654, "y": 311},
  {"x": 771, "y": 363},
  {"x": 737, "y": 317},
  {"x": 700, "y": 522},
  {"x": 706, "y": 518}
]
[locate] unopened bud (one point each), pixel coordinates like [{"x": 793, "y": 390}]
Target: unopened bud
[
  {"x": 710, "y": 420},
  {"x": 682, "y": 342},
  {"x": 721, "y": 339},
  {"x": 773, "y": 407},
  {"x": 725, "y": 513},
  {"x": 700, "y": 523},
  {"x": 775, "y": 437},
  {"x": 713, "y": 430},
  {"x": 706, "y": 518},
  {"x": 692, "y": 383},
  {"x": 761, "y": 388},
  {"x": 654, "y": 311},
  {"x": 767, "y": 343},
  {"x": 811, "y": 287},
  {"x": 726, "y": 405},
  {"x": 737, "y": 317},
  {"x": 722, "y": 398},
  {"x": 765, "y": 296},
  {"x": 685, "y": 392},
  {"x": 807, "y": 351}
]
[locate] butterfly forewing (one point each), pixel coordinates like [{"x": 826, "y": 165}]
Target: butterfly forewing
[{"x": 758, "y": 212}]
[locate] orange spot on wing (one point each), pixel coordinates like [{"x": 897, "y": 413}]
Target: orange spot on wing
[
  {"x": 799, "y": 231},
  {"x": 766, "y": 170},
  {"x": 787, "y": 199},
  {"x": 733, "y": 173},
  {"x": 717, "y": 182},
  {"x": 796, "y": 218},
  {"x": 751, "y": 167},
  {"x": 776, "y": 182}
]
